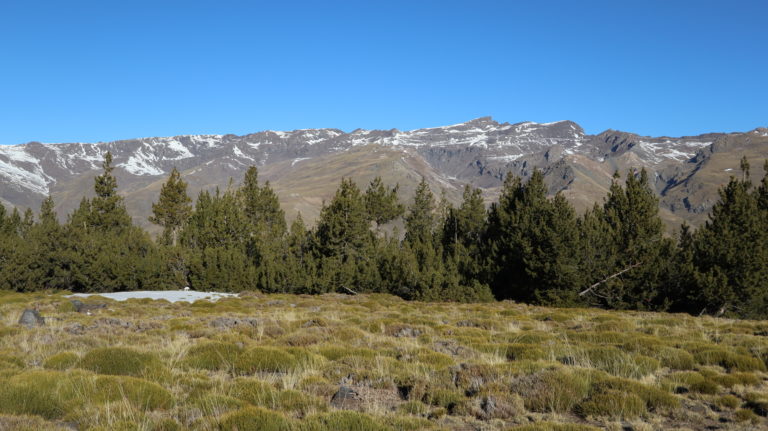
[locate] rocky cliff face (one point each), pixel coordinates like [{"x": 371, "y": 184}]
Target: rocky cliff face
[{"x": 305, "y": 166}]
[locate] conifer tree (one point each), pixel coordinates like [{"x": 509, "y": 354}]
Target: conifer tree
[
  {"x": 381, "y": 204},
  {"x": 107, "y": 207},
  {"x": 730, "y": 254},
  {"x": 172, "y": 209},
  {"x": 462, "y": 234},
  {"x": 641, "y": 249},
  {"x": 531, "y": 243},
  {"x": 344, "y": 241},
  {"x": 261, "y": 205}
]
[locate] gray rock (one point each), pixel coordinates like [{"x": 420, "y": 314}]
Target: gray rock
[
  {"x": 82, "y": 307},
  {"x": 231, "y": 322},
  {"x": 31, "y": 318},
  {"x": 346, "y": 398}
]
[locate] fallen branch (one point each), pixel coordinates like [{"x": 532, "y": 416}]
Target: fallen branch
[
  {"x": 610, "y": 277},
  {"x": 348, "y": 290}
]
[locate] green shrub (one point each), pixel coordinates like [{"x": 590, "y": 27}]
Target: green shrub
[
  {"x": 119, "y": 361},
  {"x": 614, "y": 404},
  {"x": 254, "y": 418},
  {"x": 265, "y": 359},
  {"x": 212, "y": 355},
  {"x": 61, "y": 361}
]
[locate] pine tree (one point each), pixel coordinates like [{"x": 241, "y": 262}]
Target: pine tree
[
  {"x": 172, "y": 209},
  {"x": 730, "y": 253},
  {"x": 462, "y": 234},
  {"x": 531, "y": 242},
  {"x": 344, "y": 242},
  {"x": 261, "y": 205},
  {"x": 107, "y": 207},
  {"x": 642, "y": 254},
  {"x": 381, "y": 204}
]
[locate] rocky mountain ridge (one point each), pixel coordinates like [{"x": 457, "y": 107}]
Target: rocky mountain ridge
[{"x": 306, "y": 165}]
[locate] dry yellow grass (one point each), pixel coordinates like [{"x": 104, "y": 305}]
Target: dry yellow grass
[{"x": 275, "y": 362}]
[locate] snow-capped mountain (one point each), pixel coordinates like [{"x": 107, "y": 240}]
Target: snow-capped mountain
[{"x": 478, "y": 152}]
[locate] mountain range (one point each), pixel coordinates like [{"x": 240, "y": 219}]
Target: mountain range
[{"x": 305, "y": 166}]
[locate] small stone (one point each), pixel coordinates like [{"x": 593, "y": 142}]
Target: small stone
[{"x": 31, "y": 318}]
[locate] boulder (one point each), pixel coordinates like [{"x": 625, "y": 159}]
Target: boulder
[
  {"x": 346, "y": 398},
  {"x": 82, "y": 307},
  {"x": 31, "y": 318}
]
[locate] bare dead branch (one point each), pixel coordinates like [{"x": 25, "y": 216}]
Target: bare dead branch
[{"x": 610, "y": 277}]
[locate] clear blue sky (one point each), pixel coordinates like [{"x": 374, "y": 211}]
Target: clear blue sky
[{"x": 104, "y": 70}]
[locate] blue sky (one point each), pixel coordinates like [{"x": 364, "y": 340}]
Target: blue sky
[{"x": 100, "y": 71}]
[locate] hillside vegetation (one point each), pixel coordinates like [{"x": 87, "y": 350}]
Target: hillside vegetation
[
  {"x": 526, "y": 246},
  {"x": 283, "y": 362}
]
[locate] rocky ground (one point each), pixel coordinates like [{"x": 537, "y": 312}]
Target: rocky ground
[{"x": 371, "y": 362}]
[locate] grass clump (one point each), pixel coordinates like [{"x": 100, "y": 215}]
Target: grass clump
[
  {"x": 262, "y": 394},
  {"x": 550, "y": 426},
  {"x": 265, "y": 360},
  {"x": 120, "y": 361},
  {"x": 729, "y": 360},
  {"x": 34, "y": 393},
  {"x": 614, "y": 404},
  {"x": 557, "y": 390},
  {"x": 212, "y": 355},
  {"x": 618, "y": 363},
  {"x": 61, "y": 361},
  {"x": 344, "y": 421},
  {"x": 746, "y": 415},
  {"x": 728, "y": 401},
  {"x": 254, "y": 418},
  {"x": 140, "y": 393}
]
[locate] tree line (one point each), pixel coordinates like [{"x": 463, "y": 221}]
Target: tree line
[{"x": 526, "y": 247}]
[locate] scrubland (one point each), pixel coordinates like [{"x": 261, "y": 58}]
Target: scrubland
[{"x": 275, "y": 362}]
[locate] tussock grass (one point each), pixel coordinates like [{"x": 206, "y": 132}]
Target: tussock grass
[{"x": 144, "y": 365}]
